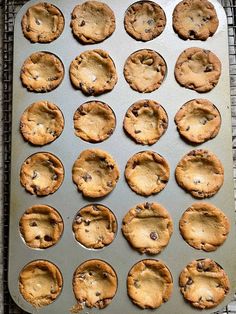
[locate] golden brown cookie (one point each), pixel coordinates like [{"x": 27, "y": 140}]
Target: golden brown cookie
[
  {"x": 144, "y": 20},
  {"x": 94, "y": 284},
  {"x": 148, "y": 227},
  {"x": 92, "y": 22},
  {"x": 200, "y": 173},
  {"x": 40, "y": 283},
  {"x": 41, "y": 123},
  {"x": 149, "y": 284},
  {"x": 195, "y": 19},
  {"x": 145, "y": 70},
  {"x": 42, "y": 72},
  {"x": 95, "y": 173},
  {"x": 146, "y": 121},
  {"x": 198, "y": 69},
  {"x": 147, "y": 173},
  {"x": 94, "y": 121},
  {"x": 42, "y": 174},
  {"x": 93, "y": 72},
  {"x": 204, "y": 226},
  {"x": 198, "y": 120},
  {"x": 41, "y": 226},
  {"x": 204, "y": 284},
  {"x": 42, "y": 23},
  {"x": 95, "y": 226}
]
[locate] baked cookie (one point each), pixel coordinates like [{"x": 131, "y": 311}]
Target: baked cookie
[
  {"x": 95, "y": 226},
  {"x": 149, "y": 284},
  {"x": 200, "y": 173},
  {"x": 147, "y": 173},
  {"x": 94, "y": 121},
  {"x": 144, "y": 20},
  {"x": 94, "y": 284},
  {"x": 95, "y": 173},
  {"x": 93, "y": 72},
  {"x": 92, "y": 22},
  {"x": 195, "y": 19},
  {"x": 41, "y": 123},
  {"x": 40, "y": 283},
  {"x": 41, "y": 226},
  {"x": 41, "y": 174},
  {"x": 146, "y": 121},
  {"x": 42, "y": 72},
  {"x": 198, "y": 69},
  {"x": 204, "y": 226},
  {"x": 145, "y": 70},
  {"x": 42, "y": 23},
  {"x": 148, "y": 227},
  {"x": 204, "y": 283},
  {"x": 198, "y": 120}
]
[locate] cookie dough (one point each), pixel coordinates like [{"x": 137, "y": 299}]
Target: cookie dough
[
  {"x": 145, "y": 70},
  {"x": 149, "y": 284},
  {"x": 198, "y": 121},
  {"x": 198, "y": 69},
  {"x": 95, "y": 226},
  {"x": 145, "y": 20},
  {"x": 94, "y": 284},
  {"x": 148, "y": 227},
  {"x": 147, "y": 173},
  {"x": 94, "y": 121},
  {"x": 200, "y": 173},
  {"x": 41, "y": 226},
  {"x": 93, "y": 72},
  {"x": 42, "y": 174},
  {"x": 42, "y": 23},
  {"x": 204, "y": 284},
  {"x": 146, "y": 121},
  {"x": 41, "y": 123},
  {"x": 40, "y": 283},
  {"x": 204, "y": 226},
  {"x": 95, "y": 173},
  {"x": 42, "y": 72},
  {"x": 195, "y": 19},
  {"x": 92, "y": 22}
]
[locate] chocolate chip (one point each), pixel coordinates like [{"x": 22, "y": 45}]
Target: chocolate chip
[
  {"x": 153, "y": 235},
  {"x": 86, "y": 230},
  {"x": 135, "y": 112},
  {"x": 35, "y": 174},
  {"x": 110, "y": 132},
  {"x": 135, "y": 163},
  {"x": 200, "y": 266},
  {"x": 137, "y": 131},
  {"x": 147, "y": 205},
  {"x": 209, "y": 68},
  {"x": 54, "y": 177},
  {"x": 81, "y": 111},
  {"x": 87, "y": 177},
  {"x": 82, "y": 23},
  {"x": 203, "y": 121},
  {"x": 188, "y": 128},
  {"x": 189, "y": 282},
  {"x": 47, "y": 238},
  {"x": 33, "y": 224},
  {"x": 95, "y": 208},
  {"x": 87, "y": 222},
  {"x": 146, "y": 105},
  {"x": 150, "y": 21},
  {"x": 37, "y": 237},
  {"x": 37, "y": 22},
  {"x": 192, "y": 33},
  {"x": 90, "y": 91},
  {"x": 98, "y": 294},
  {"x": 109, "y": 184},
  {"x": 105, "y": 275},
  {"x": 138, "y": 209}
]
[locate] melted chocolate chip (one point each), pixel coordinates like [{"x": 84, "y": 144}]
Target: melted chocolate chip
[
  {"x": 153, "y": 235},
  {"x": 47, "y": 238}
]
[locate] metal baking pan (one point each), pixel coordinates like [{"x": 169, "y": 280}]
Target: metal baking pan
[{"x": 67, "y": 254}]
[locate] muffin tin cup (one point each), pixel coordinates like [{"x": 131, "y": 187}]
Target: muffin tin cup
[{"x": 68, "y": 254}]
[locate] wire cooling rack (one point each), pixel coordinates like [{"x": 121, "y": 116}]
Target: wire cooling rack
[{"x": 10, "y": 9}]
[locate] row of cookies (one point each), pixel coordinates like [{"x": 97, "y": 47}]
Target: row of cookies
[{"x": 93, "y": 21}]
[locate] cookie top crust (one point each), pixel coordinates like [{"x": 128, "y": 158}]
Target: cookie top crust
[
  {"x": 42, "y": 72},
  {"x": 204, "y": 226},
  {"x": 195, "y": 19},
  {"x": 204, "y": 284},
  {"x": 94, "y": 121},
  {"x": 149, "y": 284},
  {"x": 42, "y": 174},
  {"x": 145, "y": 70},
  {"x": 95, "y": 226},
  {"x": 144, "y": 20},
  {"x": 94, "y": 284},
  {"x": 40, "y": 283},
  {"x": 95, "y": 173},
  {"x": 148, "y": 227},
  {"x": 200, "y": 173},
  {"x": 41, "y": 226},
  {"x": 92, "y": 22},
  {"x": 93, "y": 72},
  {"x": 147, "y": 173},
  {"x": 145, "y": 121},
  {"x": 198, "y": 69},
  {"x": 41, "y": 123},
  {"x": 42, "y": 23}
]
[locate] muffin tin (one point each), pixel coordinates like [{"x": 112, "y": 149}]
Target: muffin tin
[{"x": 68, "y": 254}]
